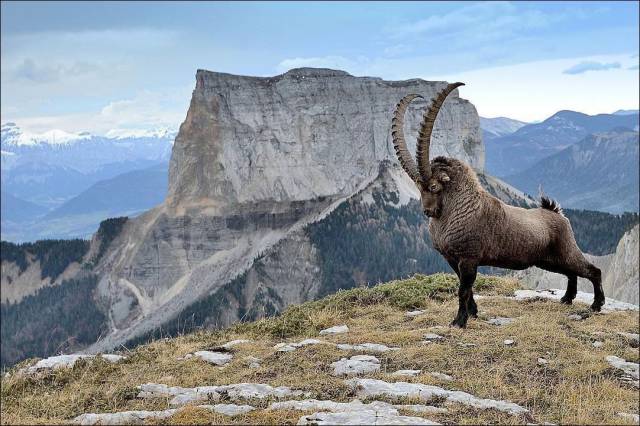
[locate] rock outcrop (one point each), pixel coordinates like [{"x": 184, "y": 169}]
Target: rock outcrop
[{"x": 256, "y": 160}]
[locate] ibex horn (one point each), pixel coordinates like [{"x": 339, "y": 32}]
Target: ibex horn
[
  {"x": 424, "y": 137},
  {"x": 397, "y": 132}
]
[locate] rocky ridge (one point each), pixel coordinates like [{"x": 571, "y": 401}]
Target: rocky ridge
[{"x": 256, "y": 160}]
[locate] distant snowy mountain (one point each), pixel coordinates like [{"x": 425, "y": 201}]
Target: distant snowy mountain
[
  {"x": 47, "y": 171},
  {"x": 499, "y": 126},
  {"x": 52, "y": 167}
]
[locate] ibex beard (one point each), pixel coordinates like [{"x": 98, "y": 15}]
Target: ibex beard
[{"x": 472, "y": 228}]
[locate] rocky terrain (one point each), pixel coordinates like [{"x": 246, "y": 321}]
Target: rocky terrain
[{"x": 381, "y": 355}]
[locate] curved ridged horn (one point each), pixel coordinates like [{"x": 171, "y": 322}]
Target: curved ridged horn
[
  {"x": 397, "y": 132},
  {"x": 424, "y": 137}
]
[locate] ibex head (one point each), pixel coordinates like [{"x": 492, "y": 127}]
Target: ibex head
[{"x": 431, "y": 183}]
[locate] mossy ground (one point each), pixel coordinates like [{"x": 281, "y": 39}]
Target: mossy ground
[{"x": 577, "y": 386}]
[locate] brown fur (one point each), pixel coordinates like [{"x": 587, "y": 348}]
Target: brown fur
[{"x": 472, "y": 228}]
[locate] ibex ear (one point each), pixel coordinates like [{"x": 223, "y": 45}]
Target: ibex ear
[{"x": 443, "y": 177}]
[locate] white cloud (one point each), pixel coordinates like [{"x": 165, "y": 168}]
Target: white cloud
[
  {"x": 146, "y": 110},
  {"x": 585, "y": 66},
  {"x": 535, "y": 90},
  {"x": 334, "y": 62},
  {"x": 475, "y": 24}
]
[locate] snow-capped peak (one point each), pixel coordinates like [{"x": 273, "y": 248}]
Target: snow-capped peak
[
  {"x": 141, "y": 133},
  {"x": 13, "y": 135}
]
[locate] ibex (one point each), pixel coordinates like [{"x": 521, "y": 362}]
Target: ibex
[{"x": 471, "y": 228}]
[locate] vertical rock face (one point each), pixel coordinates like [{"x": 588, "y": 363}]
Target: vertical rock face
[
  {"x": 304, "y": 134},
  {"x": 621, "y": 281},
  {"x": 255, "y": 161}
]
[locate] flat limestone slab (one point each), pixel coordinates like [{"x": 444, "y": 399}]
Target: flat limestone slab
[
  {"x": 362, "y": 418},
  {"x": 359, "y": 364},
  {"x": 216, "y": 358},
  {"x": 582, "y": 297},
  {"x": 366, "y": 347},
  {"x": 182, "y": 396},
  {"x": 65, "y": 361},
  {"x": 338, "y": 329},
  {"x": 377, "y": 388},
  {"x": 288, "y": 347},
  {"x": 139, "y": 417}
]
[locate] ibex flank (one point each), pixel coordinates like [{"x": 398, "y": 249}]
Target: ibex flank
[{"x": 472, "y": 228}]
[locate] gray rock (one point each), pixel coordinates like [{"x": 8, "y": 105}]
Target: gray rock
[
  {"x": 408, "y": 373},
  {"x": 181, "y": 396},
  {"x": 414, "y": 313},
  {"x": 139, "y": 417},
  {"x": 288, "y": 347},
  {"x": 64, "y": 361},
  {"x": 376, "y": 388},
  {"x": 441, "y": 376},
  {"x": 432, "y": 337},
  {"x": 362, "y": 418},
  {"x": 635, "y": 418},
  {"x": 366, "y": 347},
  {"x": 509, "y": 342},
  {"x": 586, "y": 298},
  {"x": 632, "y": 338},
  {"x": 233, "y": 343},
  {"x": 216, "y": 358},
  {"x": 359, "y": 364},
  {"x": 338, "y": 329},
  {"x": 500, "y": 321}
]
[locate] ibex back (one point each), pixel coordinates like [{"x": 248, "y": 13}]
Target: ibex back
[{"x": 472, "y": 228}]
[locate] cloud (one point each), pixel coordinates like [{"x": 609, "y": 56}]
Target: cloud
[
  {"x": 146, "y": 110},
  {"x": 476, "y": 23},
  {"x": 334, "y": 62},
  {"x": 585, "y": 66},
  {"x": 633, "y": 67},
  {"x": 33, "y": 72}
]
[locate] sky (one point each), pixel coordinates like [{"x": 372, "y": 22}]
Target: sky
[{"x": 100, "y": 66}]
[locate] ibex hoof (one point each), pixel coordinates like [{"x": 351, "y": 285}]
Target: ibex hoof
[
  {"x": 460, "y": 323},
  {"x": 597, "y": 306},
  {"x": 566, "y": 300}
]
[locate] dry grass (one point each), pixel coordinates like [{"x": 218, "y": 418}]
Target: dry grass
[{"x": 576, "y": 386}]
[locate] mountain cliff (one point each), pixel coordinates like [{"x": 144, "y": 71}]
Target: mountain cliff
[{"x": 255, "y": 161}]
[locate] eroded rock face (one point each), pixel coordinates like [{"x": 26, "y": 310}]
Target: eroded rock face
[
  {"x": 255, "y": 161},
  {"x": 304, "y": 134}
]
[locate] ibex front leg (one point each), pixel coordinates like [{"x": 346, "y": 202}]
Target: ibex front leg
[{"x": 467, "y": 271}]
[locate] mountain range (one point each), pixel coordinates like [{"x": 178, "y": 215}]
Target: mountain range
[
  {"x": 42, "y": 172},
  {"x": 598, "y": 173},
  {"x": 512, "y": 153}
]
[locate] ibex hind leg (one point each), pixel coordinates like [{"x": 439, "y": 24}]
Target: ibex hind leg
[
  {"x": 593, "y": 274},
  {"x": 572, "y": 289}
]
